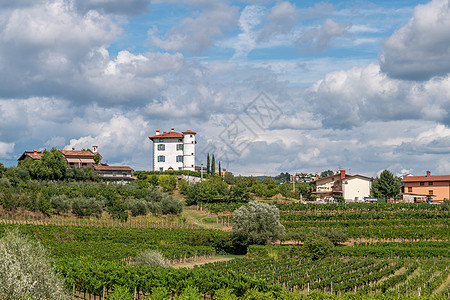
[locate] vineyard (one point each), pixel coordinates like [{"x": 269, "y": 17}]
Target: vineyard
[{"x": 392, "y": 250}]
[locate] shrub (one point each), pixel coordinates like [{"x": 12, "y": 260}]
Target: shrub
[
  {"x": 138, "y": 207},
  {"x": 60, "y": 203},
  {"x": 120, "y": 293},
  {"x": 25, "y": 270},
  {"x": 318, "y": 246},
  {"x": 82, "y": 206},
  {"x": 233, "y": 244},
  {"x": 155, "y": 208},
  {"x": 171, "y": 206},
  {"x": 151, "y": 258}
]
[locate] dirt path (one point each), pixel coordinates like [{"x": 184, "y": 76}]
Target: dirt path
[{"x": 200, "y": 262}]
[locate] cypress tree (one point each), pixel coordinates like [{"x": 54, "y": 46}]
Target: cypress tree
[
  {"x": 208, "y": 169},
  {"x": 220, "y": 170},
  {"x": 213, "y": 165}
]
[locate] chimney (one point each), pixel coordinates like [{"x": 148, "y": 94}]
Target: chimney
[
  {"x": 164, "y": 132},
  {"x": 172, "y": 129},
  {"x": 342, "y": 172},
  {"x": 73, "y": 148},
  {"x": 157, "y": 132},
  {"x": 428, "y": 173},
  {"x": 317, "y": 176},
  {"x": 94, "y": 149},
  {"x": 34, "y": 152}
]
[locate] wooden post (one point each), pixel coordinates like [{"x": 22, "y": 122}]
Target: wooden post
[
  {"x": 104, "y": 292},
  {"x": 73, "y": 291},
  {"x": 135, "y": 293}
]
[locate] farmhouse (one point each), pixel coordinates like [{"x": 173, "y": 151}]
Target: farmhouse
[
  {"x": 115, "y": 173},
  {"x": 433, "y": 188},
  {"x": 173, "y": 150},
  {"x": 350, "y": 187},
  {"x": 74, "y": 158}
]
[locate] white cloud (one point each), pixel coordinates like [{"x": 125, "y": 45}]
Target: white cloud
[
  {"x": 195, "y": 35},
  {"x": 420, "y": 49},
  {"x": 318, "y": 39},
  {"x": 281, "y": 19}
]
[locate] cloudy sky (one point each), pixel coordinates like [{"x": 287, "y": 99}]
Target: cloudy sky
[{"x": 269, "y": 86}]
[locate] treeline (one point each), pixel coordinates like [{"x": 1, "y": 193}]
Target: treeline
[{"x": 86, "y": 198}]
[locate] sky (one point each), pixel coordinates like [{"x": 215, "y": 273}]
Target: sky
[{"x": 269, "y": 86}]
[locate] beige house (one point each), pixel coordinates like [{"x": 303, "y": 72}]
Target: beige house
[{"x": 353, "y": 188}]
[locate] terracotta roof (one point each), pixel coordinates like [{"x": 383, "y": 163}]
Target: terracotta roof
[
  {"x": 171, "y": 134},
  {"x": 113, "y": 168},
  {"x": 410, "y": 178},
  {"x": 77, "y": 153},
  {"x": 189, "y": 131},
  {"x": 31, "y": 154}
]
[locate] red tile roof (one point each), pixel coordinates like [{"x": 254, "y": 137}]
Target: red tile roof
[
  {"x": 171, "y": 134},
  {"x": 77, "y": 153},
  {"x": 411, "y": 178},
  {"x": 113, "y": 168},
  {"x": 189, "y": 131},
  {"x": 31, "y": 154}
]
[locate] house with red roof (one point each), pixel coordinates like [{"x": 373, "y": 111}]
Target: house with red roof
[
  {"x": 173, "y": 150},
  {"x": 74, "y": 158},
  {"x": 430, "y": 188},
  {"x": 353, "y": 188}
]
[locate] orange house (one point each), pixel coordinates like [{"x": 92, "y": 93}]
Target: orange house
[{"x": 434, "y": 188}]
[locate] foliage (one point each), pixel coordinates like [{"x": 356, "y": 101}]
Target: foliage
[
  {"x": 228, "y": 178},
  {"x": 60, "y": 203},
  {"x": 51, "y": 166},
  {"x": 258, "y": 222},
  {"x": 236, "y": 244},
  {"x": 208, "y": 164},
  {"x": 82, "y": 206},
  {"x": 385, "y": 186},
  {"x": 326, "y": 173},
  {"x": 283, "y": 177},
  {"x": 2, "y": 170},
  {"x": 120, "y": 293},
  {"x": 171, "y": 206},
  {"x": 190, "y": 293},
  {"x": 150, "y": 258},
  {"x": 168, "y": 182},
  {"x": 138, "y": 207},
  {"x": 213, "y": 165},
  {"x": 81, "y": 174},
  {"x": 25, "y": 270},
  {"x": 213, "y": 189},
  {"x": 318, "y": 246},
  {"x": 153, "y": 180}
]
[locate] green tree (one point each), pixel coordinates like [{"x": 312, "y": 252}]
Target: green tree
[
  {"x": 386, "y": 186},
  {"x": 208, "y": 166},
  {"x": 2, "y": 170},
  {"x": 229, "y": 178},
  {"x": 213, "y": 165},
  {"x": 51, "y": 166},
  {"x": 326, "y": 173},
  {"x": 220, "y": 170},
  {"x": 258, "y": 222},
  {"x": 318, "y": 246}
]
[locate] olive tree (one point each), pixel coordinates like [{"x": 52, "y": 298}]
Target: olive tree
[
  {"x": 25, "y": 270},
  {"x": 258, "y": 222}
]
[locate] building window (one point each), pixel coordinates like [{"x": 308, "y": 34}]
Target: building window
[
  {"x": 430, "y": 192},
  {"x": 409, "y": 189},
  {"x": 179, "y": 158},
  {"x": 430, "y": 183},
  {"x": 192, "y": 135},
  {"x": 84, "y": 164},
  {"x": 161, "y": 158},
  {"x": 161, "y": 169},
  {"x": 180, "y": 168},
  {"x": 161, "y": 147},
  {"x": 422, "y": 183},
  {"x": 179, "y": 146}
]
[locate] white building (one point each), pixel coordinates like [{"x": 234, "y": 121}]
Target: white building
[
  {"x": 353, "y": 188},
  {"x": 173, "y": 150}
]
